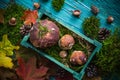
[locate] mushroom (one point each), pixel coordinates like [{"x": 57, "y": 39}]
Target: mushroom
[
  {"x": 94, "y": 10},
  {"x": 76, "y": 13},
  {"x": 66, "y": 42},
  {"x": 78, "y": 58},
  {"x": 44, "y": 34},
  {"x": 110, "y": 19},
  {"x": 12, "y": 21},
  {"x": 63, "y": 54},
  {"x": 37, "y": 5}
]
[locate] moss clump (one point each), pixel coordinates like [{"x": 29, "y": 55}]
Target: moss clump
[
  {"x": 13, "y": 10},
  {"x": 57, "y": 4},
  {"x": 91, "y": 26},
  {"x": 108, "y": 58}
]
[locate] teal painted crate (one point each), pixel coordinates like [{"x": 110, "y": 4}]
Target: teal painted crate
[
  {"x": 77, "y": 75},
  {"x": 71, "y": 23}
]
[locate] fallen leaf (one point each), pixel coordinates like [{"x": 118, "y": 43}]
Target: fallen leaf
[
  {"x": 5, "y": 61},
  {"x": 28, "y": 70},
  {"x": 30, "y": 16}
]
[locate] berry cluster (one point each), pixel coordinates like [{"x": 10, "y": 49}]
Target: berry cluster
[{"x": 103, "y": 34}]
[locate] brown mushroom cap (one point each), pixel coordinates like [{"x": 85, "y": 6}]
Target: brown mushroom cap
[
  {"x": 66, "y": 42},
  {"x": 78, "y": 58},
  {"x": 110, "y": 19},
  {"x": 76, "y": 13},
  {"x": 12, "y": 21},
  {"x": 49, "y": 38},
  {"x": 63, "y": 54}
]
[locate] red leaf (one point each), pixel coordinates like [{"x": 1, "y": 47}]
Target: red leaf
[
  {"x": 30, "y": 16},
  {"x": 28, "y": 71}
]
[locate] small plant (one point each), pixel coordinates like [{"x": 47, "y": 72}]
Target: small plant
[
  {"x": 57, "y": 4},
  {"x": 42, "y": 30},
  {"x": 91, "y": 26}
]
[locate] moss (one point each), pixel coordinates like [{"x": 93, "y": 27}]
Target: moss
[
  {"x": 108, "y": 59},
  {"x": 91, "y": 27},
  {"x": 13, "y": 10},
  {"x": 57, "y": 4}
]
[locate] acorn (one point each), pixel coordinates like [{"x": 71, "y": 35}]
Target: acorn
[
  {"x": 66, "y": 42},
  {"x": 12, "y": 21},
  {"x": 78, "y": 58},
  {"x": 37, "y": 5},
  {"x": 94, "y": 10},
  {"x": 110, "y": 19},
  {"x": 76, "y": 13}
]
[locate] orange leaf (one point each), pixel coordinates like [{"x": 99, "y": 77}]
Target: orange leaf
[{"x": 30, "y": 16}]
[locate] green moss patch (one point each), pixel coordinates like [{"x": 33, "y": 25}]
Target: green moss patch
[
  {"x": 91, "y": 26},
  {"x": 13, "y": 10},
  {"x": 57, "y": 4}
]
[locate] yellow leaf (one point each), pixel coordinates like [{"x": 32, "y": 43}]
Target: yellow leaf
[{"x": 5, "y": 61}]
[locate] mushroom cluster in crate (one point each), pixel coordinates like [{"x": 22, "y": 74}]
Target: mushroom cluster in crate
[{"x": 45, "y": 34}]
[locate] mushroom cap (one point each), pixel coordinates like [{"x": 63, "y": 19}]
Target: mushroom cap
[
  {"x": 78, "y": 58},
  {"x": 49, "y": 38},
  {"x": 63, "y": 54},
  {"x": 12, "y": 21},
  {"x": 76, "y": 13},
  {"x": 110, "y": 19},
  {"x": 66, "y": 42}
]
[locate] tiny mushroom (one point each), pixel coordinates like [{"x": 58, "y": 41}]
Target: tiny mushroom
[
  {"x": 110, "y": 19},
  {"x": 12, "y": 21},
  {"x": 66, "y": 42},
  {"x": 76, "y": 13},
  {"x": 37, "y": 5},
  {"x": 63, "y": 54},
  {"x": 94, "y": 10},
  {"x": 78, "y": 58}
]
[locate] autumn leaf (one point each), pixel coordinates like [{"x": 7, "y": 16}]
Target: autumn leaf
[
  {"x": 6, "y": 50},
  {"x": 30, "y": 16},
  {"x": 28, "y": 70},
  {"x": 5, "y": 61},
  {"x": 6, "y": 46}
]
